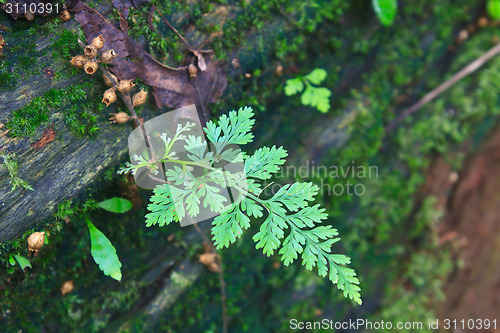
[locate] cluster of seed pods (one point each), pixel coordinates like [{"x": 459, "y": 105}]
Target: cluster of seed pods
[{"x": 92, "y": 56}]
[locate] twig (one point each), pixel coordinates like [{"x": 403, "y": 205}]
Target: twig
[
  {"x": 204, "y": 112},
  {"x": 223, "y": 297},
  {"x": 472, "y": 67},
  {"x": 221, "y": 280},
  {"x": 174, "y": 29}
]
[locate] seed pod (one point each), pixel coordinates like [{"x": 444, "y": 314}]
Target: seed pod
[
  {"x": 35, "y": 241},
  {"x": 78, "y": 61},
  {"x": 278, "y": 71},
  {"x": 90, "y": 51},
  {"x": 98, "y": 42},
  {"x": 125, "y": 86},
  {"x": 139, "y": 98},
  {"x": 109, "y": 96},
  {"x": 64, "y": 15},
  {"x": 67, "y": 287},
  {"x": 29, "y": 15},
  {"x": 193, "y": 71},
  {"x": 453, "y": 177},
  {"x": 482, "y": 22},
  {"x": 463, "y": 35},
  {"x": 90, "y": 67},
  {"x": 2, "y": 43},
  {"x": 107, "y": 56},
  {"x": 211, "y": 261},
  {"x": 107, "y": 81},
  {"x": 120, "y": 118}
]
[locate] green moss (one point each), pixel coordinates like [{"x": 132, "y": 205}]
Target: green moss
[
  {"x": 78, "y": 110},
  {"x": 65, "y": 43},
  {"x": 163, "y": 43},
  {"x": 10, "y": 163},
  {"x": 8, "y": 79}
]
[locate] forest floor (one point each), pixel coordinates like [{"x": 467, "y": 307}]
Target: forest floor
[{"x": 471, "y": 223}]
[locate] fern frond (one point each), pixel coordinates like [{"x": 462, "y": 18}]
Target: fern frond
[
  {"x": 162, "y": 207},
  {"x": 291, "y": 225},
  {"x": 265, "y": 162},
  {"x": 229, "y": 226},
  {"x": 234, "y": 129}
]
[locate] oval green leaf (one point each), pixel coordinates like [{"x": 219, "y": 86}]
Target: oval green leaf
[
  {"x": 493, "y": 8},
  {"x": 386, "y": 10},
  {"x": 22, "y": 261},
  {"x": 104, "y": 253},
  {"x": 116, "y": 205}
]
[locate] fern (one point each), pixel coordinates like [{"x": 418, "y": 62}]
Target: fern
[
  {"x": 292, "y": 225},
  {"x": 317, "y": 97}
]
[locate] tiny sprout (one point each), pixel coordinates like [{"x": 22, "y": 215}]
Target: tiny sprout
[
  {"x": 65, "y": 15},
  {"x": 108, "y": 56},
  {"x": 107, "y": 81},
  {"x": 109, "y": 96},
  {"x": 120, "y": 118},
  {"x": 193, "y": 71},
  {"x": 90, "y": 67},
  {"x": 78, "y": 61},
  {"x": 125, "y": 86},
  {"x": 98, "y": 42},
  {"x": 90, "y": 51},
  {"x": 140, "y": 98},
  {"x": 36, "y": 241}
]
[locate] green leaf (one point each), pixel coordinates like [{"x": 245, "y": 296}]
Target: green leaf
[
  {"x": 22, "y": 261},
  {"x": 291, "y": 247},
  {"x": 306, "y": 237},
  {"x": 12, "y": 261},
  {"x": 197, "y": 147},
  {"x": 213, "y": 200},
  {"x": 493, "y": 8},
  {"x": 104, "y": 253},
  {"x": 115, "y": 205},
  {"x": 229, "y": 226},
  {"x": 232, "y": 129},
  {"x": 318, "y": 97},
  {"x": 264, "y": 162},
  {"x": 294, "y": 86},
  {"x": 162, "y": 207},
  {"x": 271, "y": 231},
  {"x": 296, "y": 195},
  {"x": 386, "y": 10},
  {"x": 317, "y": 76},
  {"x": 251, "y": 207}
]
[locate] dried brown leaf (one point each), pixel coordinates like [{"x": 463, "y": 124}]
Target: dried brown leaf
[
  {"x": 124, "y": 5},
  {"x": 171, "y": 86}
]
